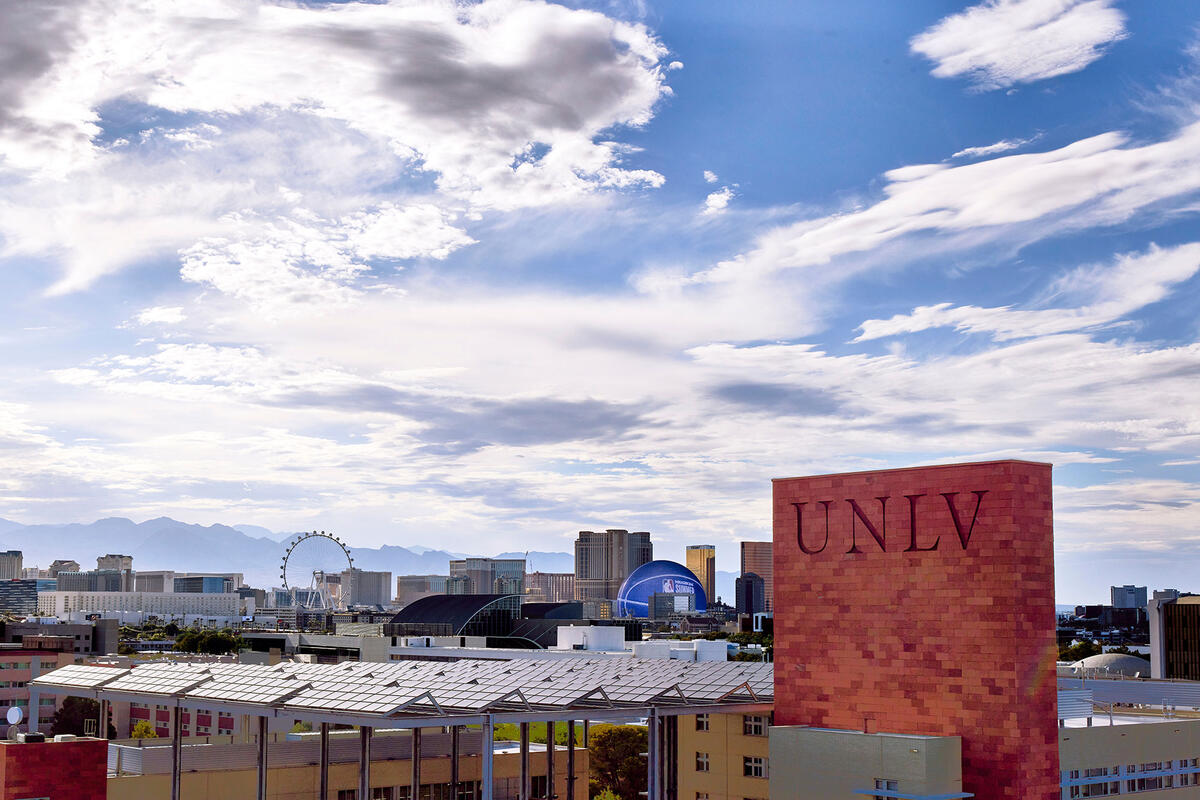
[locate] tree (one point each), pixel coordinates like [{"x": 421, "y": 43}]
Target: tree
[
  {"x": 302, "y": 726},
  {"x": 209, "y": 642},
  {"x": 1079, "y": 651},
  {"x": 617, "y": 763},
  {"x": 143, "y": 730},
  {"x": 171, "y": 629},
  {"x": 73, "y": 715}
]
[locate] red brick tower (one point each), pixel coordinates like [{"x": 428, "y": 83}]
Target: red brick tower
[{"x": 921, "y": 601}]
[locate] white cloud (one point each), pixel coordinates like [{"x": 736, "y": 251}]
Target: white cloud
[
  {"x": 500, "y": 105},
  {"x": 710, "y": 176},
  {"x": 304, "y": 264},
  {"x": 462, "y": 91},
  {"x": 1107, "y": 293},
  {"x": 1002, "y": 146},
  {"x": 717, "y": 201},
  {"x": 160, "y": 315},
  {"x": 1000, "y": 43},
  {"x": 1100, "y": 180}
]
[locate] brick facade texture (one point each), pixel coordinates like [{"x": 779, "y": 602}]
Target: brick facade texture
[
  {"x": 950, "y": 641},
  {"x": 58, "y": 770}
]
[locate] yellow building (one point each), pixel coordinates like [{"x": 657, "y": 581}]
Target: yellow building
[
  {"x": 702, "y": 560},
  {"x": 723, "y": 757},
  {"x": 221, "y": 772}
]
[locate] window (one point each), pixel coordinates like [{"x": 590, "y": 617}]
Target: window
[
  {"x": 537, "y": 786},
  {"x": 754, "y": 766},
  {"x": 701, "y": 795},
  {"x": 754, "y": 725},
  {"x": 702, "y": 722},
  {"x": 701, "y": 762},
  {"x": 383, "y": 793},
  {"x": 347, "y": 794},
  {"x": 888, "y": 785}
]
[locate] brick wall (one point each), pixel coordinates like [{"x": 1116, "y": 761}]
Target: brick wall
[
  {"x": 921, "y": 634},
  {"x": 57, "y": 770}
]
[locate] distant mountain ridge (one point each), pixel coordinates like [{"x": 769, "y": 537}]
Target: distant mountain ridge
[
  {"x": 165, "y": 543},
  {"x": 254, "y": 551}
]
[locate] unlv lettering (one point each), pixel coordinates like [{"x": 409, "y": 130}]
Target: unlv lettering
[{"x": 858, "y": 516}]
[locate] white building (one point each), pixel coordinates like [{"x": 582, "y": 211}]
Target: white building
[{"x": 137, "y": 606}]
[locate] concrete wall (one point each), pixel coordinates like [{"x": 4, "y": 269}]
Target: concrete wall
[
  {"x": 818, "y": 764},
  {"x": 1117, "y": 748}
]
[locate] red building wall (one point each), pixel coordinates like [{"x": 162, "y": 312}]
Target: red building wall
[
  {"x": 57, "y": 770},
  {"x": 950, "y": 633}
]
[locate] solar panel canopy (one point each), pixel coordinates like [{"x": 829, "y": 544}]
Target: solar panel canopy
[{"x": 400, "y": 689}]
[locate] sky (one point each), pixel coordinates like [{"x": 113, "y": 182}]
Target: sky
[{"x": 480, "y": 275}]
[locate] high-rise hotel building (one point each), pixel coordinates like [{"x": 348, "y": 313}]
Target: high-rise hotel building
[
  {"x": 757, "y": 557},
  {"x": 603, "y": 559},
  {"x": 702, "y": 561}
]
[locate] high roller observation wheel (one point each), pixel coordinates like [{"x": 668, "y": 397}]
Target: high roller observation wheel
[{"x": 289, "y": 585}]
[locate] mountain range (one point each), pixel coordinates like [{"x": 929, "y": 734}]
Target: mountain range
[{"x": 165, "y": 543}]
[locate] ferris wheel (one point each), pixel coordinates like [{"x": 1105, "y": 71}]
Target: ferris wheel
[{"x": 311, "y": 560}]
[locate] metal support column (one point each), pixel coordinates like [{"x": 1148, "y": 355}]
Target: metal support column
[
  {"x": 570, "y": 759},
  {"x": 324, "y": 761},
  {"x": 176, "y": 751},
  {"x": 672, "y": 758},
  {"x": 488, "y": 750},
  {"x": 262, "y": 758},
  {"x": 525, "y": 782},
  {"x": 364, "y": 762},
  {"x": 587, "y": 741},
  {"x": 102, "y": 731},
  {"x": 550, "y": 795},
  {"x": 652, "y": 756},
  {"x": 454, "y": 734},
  {"x": 415, "y": 793}
]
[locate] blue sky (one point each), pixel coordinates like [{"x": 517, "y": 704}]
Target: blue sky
[{"x": 480, "y": 275}]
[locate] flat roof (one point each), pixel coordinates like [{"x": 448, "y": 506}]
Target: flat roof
[
  {"x": 919, "y": 466},
  {"x": 408, "y": 690}
]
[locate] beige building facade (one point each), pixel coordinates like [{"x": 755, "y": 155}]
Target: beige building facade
[
  {"x": 724, "y": 757},
  {"x": 228, "y": 771}
]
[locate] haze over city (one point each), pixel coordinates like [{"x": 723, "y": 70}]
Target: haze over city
[{"x": 477, "y": 277}]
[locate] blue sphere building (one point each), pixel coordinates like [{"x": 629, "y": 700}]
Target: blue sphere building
[{"x": 654, "y": 577}]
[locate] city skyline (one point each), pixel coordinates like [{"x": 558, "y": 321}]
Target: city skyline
[{"x": 560, "y": 267}]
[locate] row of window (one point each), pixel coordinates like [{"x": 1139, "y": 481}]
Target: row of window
[
  {"x": 752, "y": 766},
  {"x": 1145, "y": 783},
  {"x": 752, "y": 724}
]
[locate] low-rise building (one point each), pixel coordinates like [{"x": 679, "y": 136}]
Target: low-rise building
[
  {"x": 90, "y": 638},
  {"x": 19, "y": 665},
  {"x": 136, "y": 607}
]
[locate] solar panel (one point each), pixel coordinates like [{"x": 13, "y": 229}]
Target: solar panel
[{"x": 405, "y": 688}]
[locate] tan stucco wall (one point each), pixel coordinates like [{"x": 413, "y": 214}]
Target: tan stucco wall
[{"x": 726, "y": 745}]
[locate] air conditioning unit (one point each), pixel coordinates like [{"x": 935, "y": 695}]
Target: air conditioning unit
[
  {"x": 33, "y": 736},
  {"x": 65, "y": 737}
]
